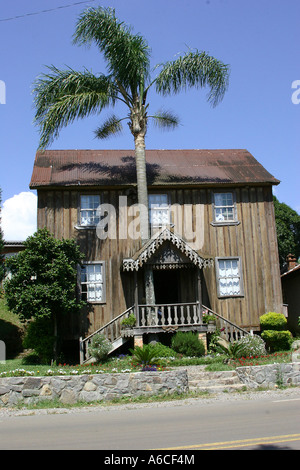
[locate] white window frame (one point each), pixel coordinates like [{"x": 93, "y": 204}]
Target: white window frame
[
  {"x": 156, "y": 207},
  {"x": 91, "y": 217},
  {"x": 227, "y": 278},
  {"x": 89, "y": 284},
  {"x": 218, "y": 220}
]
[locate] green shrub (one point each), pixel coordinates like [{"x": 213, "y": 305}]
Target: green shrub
[
  {"x": 273, "y": 321},
  {"x": 100, "y": 347},
  {"x": 250, "y": 345},
  {"x": 163, "y": 351},
  {"x": 188, "y": 344},
  {"x": 277, "y": 340},
  {"x": 39, "y": 336}
]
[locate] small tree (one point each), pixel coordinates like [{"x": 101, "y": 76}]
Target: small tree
[
  {"x": 42, "y": 287},
  {"x": 288, "y": 231}
]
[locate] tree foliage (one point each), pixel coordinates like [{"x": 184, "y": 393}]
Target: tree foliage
[
  {"x": 288, "y": 231},
  {"x": 61, "y": 96},
  {"x": 43, "y": 278}
]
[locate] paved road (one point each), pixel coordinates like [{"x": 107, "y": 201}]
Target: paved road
[{"x": 255, "y": 421}]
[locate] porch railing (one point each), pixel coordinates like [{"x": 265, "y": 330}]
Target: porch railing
[{"x": 167, "y": 315}]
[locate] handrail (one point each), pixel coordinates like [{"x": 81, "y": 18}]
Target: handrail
[
  {"x": 108, "y": 324},
  {"x": 233, "y": 326},
  {"x": 109, "y": 329}
]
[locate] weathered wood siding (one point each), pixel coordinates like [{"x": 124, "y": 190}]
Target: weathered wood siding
[{"x": 253, "y": 240}]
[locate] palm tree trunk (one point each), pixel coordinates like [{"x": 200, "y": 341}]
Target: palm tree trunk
[{"x": 141, "y": 173}]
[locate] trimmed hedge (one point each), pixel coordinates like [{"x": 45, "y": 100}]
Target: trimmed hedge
[
  {"x": 273, "y": 321},
  {"x": 277, "y": 340},
  {"x": 274, "y": 332}
]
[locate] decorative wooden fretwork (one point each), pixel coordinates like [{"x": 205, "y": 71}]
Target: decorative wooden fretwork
[{"x": 165, "y": 259}]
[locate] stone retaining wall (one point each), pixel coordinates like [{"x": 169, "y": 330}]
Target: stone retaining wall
[
  {"x": 89, "y": 388},
  {"x": 270, "y": 375}
]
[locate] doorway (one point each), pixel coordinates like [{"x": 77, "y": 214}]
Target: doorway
[{"x": 167, "y": 286}]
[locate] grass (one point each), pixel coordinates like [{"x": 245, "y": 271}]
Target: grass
[
  {"x": 11, "y": 330},
  {"x": 121, "y": 364}
]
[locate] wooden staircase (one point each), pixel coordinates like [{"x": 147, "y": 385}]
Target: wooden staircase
[{"x": 113, "y": 332}]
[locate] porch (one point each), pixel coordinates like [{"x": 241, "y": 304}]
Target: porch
[{"x": 162, "y": 318}]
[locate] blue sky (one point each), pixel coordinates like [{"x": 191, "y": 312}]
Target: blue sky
[{"x": 259, "y": 39}]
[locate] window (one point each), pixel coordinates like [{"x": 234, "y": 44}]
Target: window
[
  {"x": 93, "y": 282},
  {"x": 224, "y": 207},
  {"x": 88, "y": 210},
  {"x": 159, "y": 210},
  {"x": 229, "y": 277}
]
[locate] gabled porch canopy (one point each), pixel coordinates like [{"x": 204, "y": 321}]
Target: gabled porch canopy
[{"x": 147, "y": 254}]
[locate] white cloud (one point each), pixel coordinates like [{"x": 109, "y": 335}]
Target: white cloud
[{"x": 19, "y": 216}]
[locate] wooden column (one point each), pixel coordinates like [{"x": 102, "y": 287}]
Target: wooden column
[
  {"x": 199, "y": 295},
  {"x": 136, "y": 299}
]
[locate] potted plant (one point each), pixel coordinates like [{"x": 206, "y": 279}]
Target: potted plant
[
  {"x": 210, "y": 320},
  {"x": 127, "y": 325}
]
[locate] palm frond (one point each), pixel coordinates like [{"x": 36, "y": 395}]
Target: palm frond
[
  {"x": 62, "y": 96},
  {"x": 194, "y": 69},
  {"x": 111, "y": 126},
  {"x": 165, "y": 119},
  {"x": 127, "y": 54}
]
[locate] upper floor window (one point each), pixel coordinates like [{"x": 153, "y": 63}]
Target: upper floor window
[
  {"x": 224, "y": 207},
  {"x": 229, "y": 277},
  {"x": 159, "y": 210},
  {"x": 93, "y": 282},
  {"x": 88, "y": 210}
]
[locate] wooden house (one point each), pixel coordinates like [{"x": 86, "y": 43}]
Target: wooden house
[{"x": 213, "y": 239}]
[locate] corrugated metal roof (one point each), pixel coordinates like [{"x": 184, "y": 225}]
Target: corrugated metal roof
[{"x": 117, "y": 167}]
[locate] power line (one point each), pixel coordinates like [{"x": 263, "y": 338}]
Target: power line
[{"x": 45, "y": 11}]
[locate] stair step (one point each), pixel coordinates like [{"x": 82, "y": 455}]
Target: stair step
[
  {"x": 218, "y": 388},
  {"x": 213, "y": 382}
]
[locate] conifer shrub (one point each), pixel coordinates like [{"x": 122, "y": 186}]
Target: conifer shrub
[{"x": 188, "y": 344}]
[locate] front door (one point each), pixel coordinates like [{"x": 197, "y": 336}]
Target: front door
[{"x": 166, "y": 286}]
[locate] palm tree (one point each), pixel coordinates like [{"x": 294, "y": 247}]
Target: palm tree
[{"x": 61, "y": 96}]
